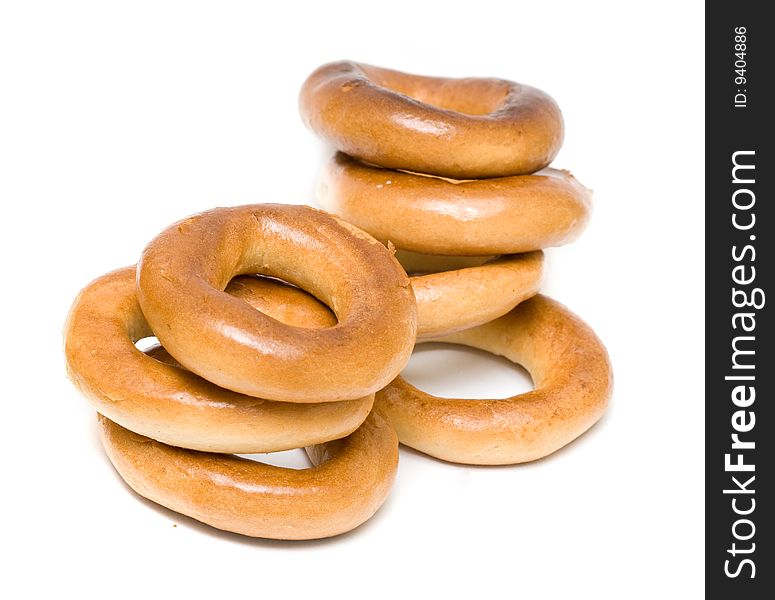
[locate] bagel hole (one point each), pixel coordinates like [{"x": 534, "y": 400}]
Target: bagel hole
[
  {"x": 147, "y": 343},
  {"x": 295, "y": 459},
  {"x": 454, "y": 371},
  {"x": 282, "y": 300},
  {"x": 474, "y": 96}
]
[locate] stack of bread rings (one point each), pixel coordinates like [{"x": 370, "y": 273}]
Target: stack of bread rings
[
  {"x": 229, "y": 379},
  {"x": 282, "y": 326},
  {"x": 454, "y": 174}
]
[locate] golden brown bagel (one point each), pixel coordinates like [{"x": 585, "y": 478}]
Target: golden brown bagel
[
  {"x": 573, "y": 382},
  {"x": 184, "y": 270},
  {"x": 172, "y": 405},
  {"x": 506, "y": 215},
  {"x": 349, "y": 482},
  {"x": 450, "y": 300},
  {"x": 462, "y": 128}
]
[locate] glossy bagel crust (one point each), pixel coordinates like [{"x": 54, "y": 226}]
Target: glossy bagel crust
[
  {"x": 506, "y": 215},
  {"x": 573, "y": 382},
  {"x": 349, "y": 482},
  {"x": 462, "y": 128},
  {"x": 184, "y": 270},
  {"x": 452, "y": 300},
  {"x": 162, "y": 400}
]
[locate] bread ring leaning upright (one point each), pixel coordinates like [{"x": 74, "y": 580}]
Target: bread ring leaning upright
[
  {"x": 184, "y": 270},
  {"x": 461, "y": 128}
]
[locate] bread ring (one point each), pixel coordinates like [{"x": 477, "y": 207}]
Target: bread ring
[
  {"x": 172, "y": 405},
  {"x": 462, "y": 128},
  {"x": 507, "y": 215},
  {"x": 184, "y": 270},
  {"x": 349, "y": 482},
  {"x": 573, "y": 382},
  {"x": 457, "y": 299}
]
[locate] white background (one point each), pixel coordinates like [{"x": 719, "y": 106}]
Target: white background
[{"x": 119, "y": 118}]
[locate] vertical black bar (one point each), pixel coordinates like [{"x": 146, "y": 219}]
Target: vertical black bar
[{"x": 740, "y": 236}]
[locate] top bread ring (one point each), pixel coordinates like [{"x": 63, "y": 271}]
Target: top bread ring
[
  {"x": 504, "y": 215},
  {"x": 461, "y": 128},
  {"x": 184, "y": 270}
]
